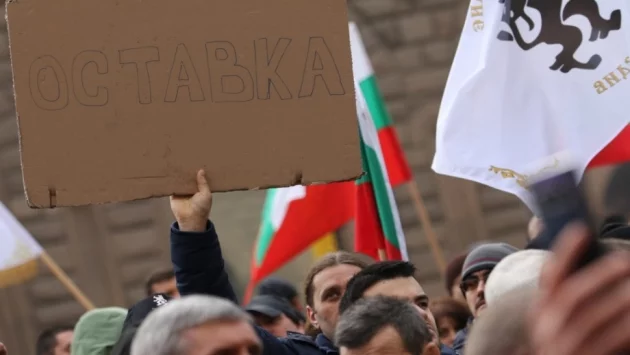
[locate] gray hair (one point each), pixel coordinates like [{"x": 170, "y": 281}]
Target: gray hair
[
  {"x": 161, "y": 332},
  {"x": 368, "y": 316}
]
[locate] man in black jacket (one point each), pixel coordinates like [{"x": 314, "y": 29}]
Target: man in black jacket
[{"x": 199, "y": 269}]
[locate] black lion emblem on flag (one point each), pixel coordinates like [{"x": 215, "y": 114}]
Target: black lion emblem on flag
[{"x": 554, "y": 31}]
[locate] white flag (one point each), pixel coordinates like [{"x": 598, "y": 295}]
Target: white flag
[
  {"x": 532, "y": 81},
  {"x": 19, "y": 251}
]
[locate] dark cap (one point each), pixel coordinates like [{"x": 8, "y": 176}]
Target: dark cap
[
  {"x": 136, "y": 314},
  {"x": 277, "y": 287},
  {"x": 485, "y": 256},
  {"x": 272, "y": 306},
  {"x": 141, "y": 310}
]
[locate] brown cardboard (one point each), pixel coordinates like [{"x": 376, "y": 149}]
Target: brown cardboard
[{"x": 121, "y": 100}]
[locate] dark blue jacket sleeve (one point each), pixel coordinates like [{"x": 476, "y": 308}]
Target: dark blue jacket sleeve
[
  {"x": 198, "y": 263},
  {"x": 199, "y": 269}
]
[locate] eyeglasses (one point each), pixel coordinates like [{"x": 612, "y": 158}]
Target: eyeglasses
[{"x": 472, "y": 282}]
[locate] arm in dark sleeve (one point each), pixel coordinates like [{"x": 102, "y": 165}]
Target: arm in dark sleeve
[{"x": 198, "y": 263}]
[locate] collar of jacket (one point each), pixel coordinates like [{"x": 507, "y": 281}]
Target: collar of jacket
[{"x": 325, "y": 344}]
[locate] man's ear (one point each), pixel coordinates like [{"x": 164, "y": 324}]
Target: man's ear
[
  {"x": 431, "y": 349},
  {"x": 311, "y": 316}
]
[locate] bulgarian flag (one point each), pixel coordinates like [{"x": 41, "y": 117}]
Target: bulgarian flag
[
  {"x": 397, "y": 168},
  {"x": 378, "y": 232},
  {"x": 295, "y": 217}
]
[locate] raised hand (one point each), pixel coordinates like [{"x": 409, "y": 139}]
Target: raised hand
[{"x": 191, "y": 212}]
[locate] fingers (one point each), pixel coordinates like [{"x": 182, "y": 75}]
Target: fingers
[
  {"x": 581, "y": 309},
  {"x": 612, "y": 338},
  {"x": 202, "y": 183},
  {"x": 571, "y": 245}
]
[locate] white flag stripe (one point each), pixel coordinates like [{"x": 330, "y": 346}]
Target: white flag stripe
[
  {"x": 17, "y": 246},
  {"x": 361, "y": 64}
]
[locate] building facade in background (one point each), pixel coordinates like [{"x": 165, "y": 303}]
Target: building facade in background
[{"x": 109, "y": 250}]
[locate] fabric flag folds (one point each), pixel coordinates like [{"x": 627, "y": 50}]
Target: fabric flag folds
[
  {"x": 397, "y": 167},
  {"x": 513, "y": 101},
  {"x": 19, "y": 252},
  {"x": 377, "y": 226},
  {"x": 295, "y": 217}
]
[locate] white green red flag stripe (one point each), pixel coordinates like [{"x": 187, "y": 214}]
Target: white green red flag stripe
[
  {"x": 295, "y": 217},
  {"x": 377, "y": 225},
  {"x": 397, "y": 167}
]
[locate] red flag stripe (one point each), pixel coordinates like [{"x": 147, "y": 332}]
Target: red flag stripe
[
  {"x": 616, "y": 152},
  {"x": 397, "y": 168}
]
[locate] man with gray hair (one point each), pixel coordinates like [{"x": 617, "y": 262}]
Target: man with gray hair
[
  {"x": 385, "y": 326},
  {"x": 197, "y": 325}
]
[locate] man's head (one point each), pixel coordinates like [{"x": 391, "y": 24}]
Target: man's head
[
  {"x": 98, "y": 330},
  {"x": 197, "y": 325},
  {"x": 135, "y": 316},
  {"x": 503, "y": 327},
  {"x": 162, "y": 281},
  {"x": 392, "y": 279},
  {"x": 477, "y": 267},
  {"x": 522, "y": 268},
  {"x": 276, "y": 315},
  {"x": 277, "y": 287},
  {"x": 384, "y": 326},
  {"x": 454, "y": 276},
  {"x": 325, "y": 284},
  {"x": 55, "y": 341},
  {"x": 451, "y": 316}
]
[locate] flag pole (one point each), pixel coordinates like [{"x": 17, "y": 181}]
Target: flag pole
[
  {"x": 382, "y": 255},
  {"x": 66, "y": 281},
  {"x": 427, "y": 227}
]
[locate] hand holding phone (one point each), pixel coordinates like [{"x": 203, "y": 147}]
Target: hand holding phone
[{"x": 560, "y": 202}]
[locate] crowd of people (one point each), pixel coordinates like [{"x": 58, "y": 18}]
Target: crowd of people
[{"x": 502, "y": 300}]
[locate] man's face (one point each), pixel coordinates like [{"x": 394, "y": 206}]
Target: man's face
[
  {"x": 168, "y": 287},
  {"x": 473, "y": 287},
  {"x": 328, "y": 287},
  {"x": 409, "y": 289},
  {"x": 64, "y": 340},
  {"x": 218, "y": 338},
  {"x": 278, "y": 326}
]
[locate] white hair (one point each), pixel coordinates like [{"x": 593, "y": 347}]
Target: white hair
[{"x": 161, "y": 332}]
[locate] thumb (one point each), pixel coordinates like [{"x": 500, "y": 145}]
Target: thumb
[{"x": 202, "y": 183}]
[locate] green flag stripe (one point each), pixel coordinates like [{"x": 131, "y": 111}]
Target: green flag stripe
[
  {"x": 267, "y": 231},
  {"x": 379, "y": 184},
  {"x": 375, "y": 102}
]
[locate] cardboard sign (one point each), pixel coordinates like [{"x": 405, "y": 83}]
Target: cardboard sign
[{"x": 122, "y": 100}]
